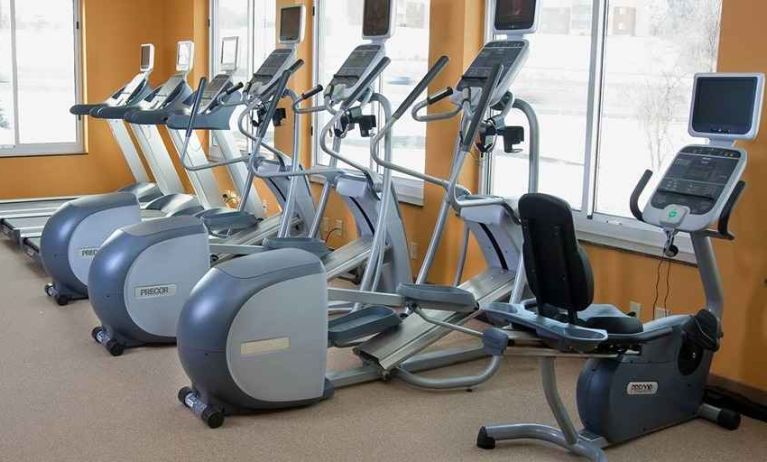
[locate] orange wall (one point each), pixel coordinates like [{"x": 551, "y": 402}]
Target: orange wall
[
  {"x": 114, "y": 30},
  {"x": 111, "y": 56},
  {"x": 112, "y": 33}
]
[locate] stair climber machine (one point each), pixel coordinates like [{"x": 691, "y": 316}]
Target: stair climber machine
[
  {"x": 243, "y": 355},
  {"x": 22, "y": 219},
  {"x": 346, "y": 99},
  {"x": 143, "y": 274},
  {"x": 74, "y": 233},
  {"x": 639, "y": 378}
]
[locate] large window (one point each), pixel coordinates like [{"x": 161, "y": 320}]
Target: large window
[
  {"x": 611, "y": 82},
  {"x": 253, "y": 21},
  {"x": 338, "y": 26},
  {"x": 39, "y": 69}
]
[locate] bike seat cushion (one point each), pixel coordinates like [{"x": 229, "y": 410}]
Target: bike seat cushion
[
  {"x": 308, "y": 244},
  {"x": 446, "y": 298},
  {"x": 610, "y": 319}
]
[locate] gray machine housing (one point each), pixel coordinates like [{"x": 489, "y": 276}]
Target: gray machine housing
[
  {"x": 90, "y": 220},
  {"x": 141, "y": 277},
  {"x": 210, "y": 339}
]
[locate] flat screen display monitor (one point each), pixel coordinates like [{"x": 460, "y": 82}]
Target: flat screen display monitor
[
  {"x": 184, "y": 55},
  {"x": 726, "y": 106},
  {"x": 515, "y": 16},
  {"x": 377, "y": 19},
  {"x": 229, "y": 50},
  {"x": 147, "y": 57},
  {"x": 291, "y": 24}
]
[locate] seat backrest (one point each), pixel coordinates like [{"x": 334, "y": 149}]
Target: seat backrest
[{"x": 558, "y": 270}]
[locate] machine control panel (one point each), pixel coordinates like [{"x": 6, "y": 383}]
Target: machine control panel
[
  {"x": 511, "y": 54},
  {"x": 272, "y": 68},
  {"x": 164, "y": 95},
  {"x": 360, "y": 62},
  {"x": 214, "y": 88},
  {"x": 695, "y": 187}
]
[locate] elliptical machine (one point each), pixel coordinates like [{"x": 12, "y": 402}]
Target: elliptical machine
[
  {"x": 640, "y": 378},
  {"x": 143, "y": 274},
  {"x": 73, "y": 234},
  {"x": 263, "y": 345}
]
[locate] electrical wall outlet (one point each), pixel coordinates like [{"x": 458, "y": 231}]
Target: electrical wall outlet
[
  {"x": 636, "y": 308},
  {"x": 340, "y": 227},
  {"x": 661, "y": 312},
  {"x": 325, "y": 226},
  {"x": 413, "y": 249}
]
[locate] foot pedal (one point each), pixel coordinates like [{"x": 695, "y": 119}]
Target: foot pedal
[
  {"x": 434, "y": 297},
  {"x": 703, "y": 330},
  {"x": 308, "y": 244},
  {"x": 360, "y": 324}
]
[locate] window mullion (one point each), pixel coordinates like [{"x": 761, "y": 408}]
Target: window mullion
[
  {"x": 594, "y": 113},
  {"x": 317, "y": 9},
  {"x": 14, "y": 76}
]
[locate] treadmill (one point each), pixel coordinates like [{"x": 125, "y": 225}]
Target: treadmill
[
  {"x": 145, "y": 117},
  {"x": 25, "y": 218}
]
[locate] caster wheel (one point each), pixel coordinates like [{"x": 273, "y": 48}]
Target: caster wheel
[
  {"x": 183, "y": 393},
  {"x": 728, "y": 419},
  {"x": 49, "y": 290},
  {"x": 115, "y": 348},
  {"x": 212, "y": 417},
  {"x": 484, "y": 441},
  {"x": 62, "y": 300},
  {"x": 214, "y": 259},
  {"x": 95, "y": 333}
]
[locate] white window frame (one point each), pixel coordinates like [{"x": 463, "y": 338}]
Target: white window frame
[
  {"x": 46, "y": 149},
  {"x": 409, "y": 190},
  {"x": 620, "y": 232},
  {"x": 250, "y": 66}
]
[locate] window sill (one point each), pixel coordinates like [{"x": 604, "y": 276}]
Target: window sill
[
  {"x": 42, "y": 150},
  {"x": 631, "y": 235}
]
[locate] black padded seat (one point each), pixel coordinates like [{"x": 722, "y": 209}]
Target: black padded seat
[{"x": 610, "y": 319}]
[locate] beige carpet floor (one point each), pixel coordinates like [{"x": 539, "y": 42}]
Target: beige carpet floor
[{"x": 63, "y": 398}]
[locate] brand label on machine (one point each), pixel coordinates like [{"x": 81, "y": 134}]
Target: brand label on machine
[
  {"x": 642, "y": 388},
  {"x": 165, "y": 290},
  {"x": 88, "y": 252}
]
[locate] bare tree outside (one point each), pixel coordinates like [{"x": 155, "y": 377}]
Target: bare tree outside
[{"x": 661, "y": 97}]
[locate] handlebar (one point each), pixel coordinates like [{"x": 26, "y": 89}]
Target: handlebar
[
  {"x": 234, "y": 89},
  {"x": 311, "y": 93},
  {"x": 439, "y": 96},
  {"x": 724, "y": 219},
  {"x": 482, "y": 107},
  {"x": 638, "y": 190},
  {"x": 422, "y": 86},
  {"x": 196, "y": 102}
]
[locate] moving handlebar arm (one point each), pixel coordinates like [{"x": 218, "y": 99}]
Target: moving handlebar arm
[{"x": 419, "y": 88}]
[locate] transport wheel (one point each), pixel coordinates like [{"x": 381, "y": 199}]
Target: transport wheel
[
  {"x": 728, "y": 419},
  {"x": 49, "y": 290},
  {"x": 484, "y": 441},
  {"x": 114, "y": 347},
  {"x": 213, "y": 417},
  {"x": 95, "y": 333},
  {"x": 62, "y": 300},
  {"x": 183, "y": 393}
]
